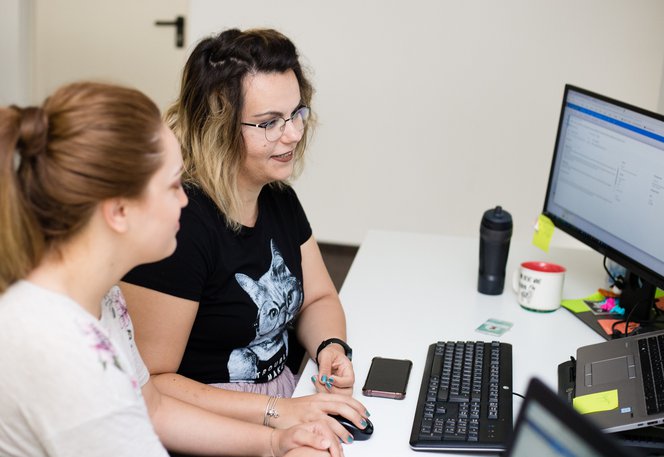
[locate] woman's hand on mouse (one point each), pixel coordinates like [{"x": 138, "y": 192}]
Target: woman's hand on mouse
[{"x": 318, "y": 407}]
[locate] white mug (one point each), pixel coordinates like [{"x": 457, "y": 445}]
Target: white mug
[{"x": 539, "y": 285}]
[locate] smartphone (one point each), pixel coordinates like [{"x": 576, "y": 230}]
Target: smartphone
[{"x": 387, "y": 378}]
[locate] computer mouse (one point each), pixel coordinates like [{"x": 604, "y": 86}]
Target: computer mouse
[{"x": 357, "y": 433}]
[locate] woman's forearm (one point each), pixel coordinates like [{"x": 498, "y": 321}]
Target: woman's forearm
[
  {"x": 321, "y": 320},
  {"x": 245, "y": 406}
]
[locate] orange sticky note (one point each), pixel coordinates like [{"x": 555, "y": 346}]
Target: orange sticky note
[{"x": 607, "y": 325}]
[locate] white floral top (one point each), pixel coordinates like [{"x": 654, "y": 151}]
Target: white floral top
[{"x": 70, "y": 385}]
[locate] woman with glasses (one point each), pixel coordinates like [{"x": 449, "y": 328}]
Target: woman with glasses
[
  {"x": 216, "y": 313},
  {"x": 90, "y": 187}
]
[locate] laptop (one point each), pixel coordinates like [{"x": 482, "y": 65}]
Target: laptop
[
  {"x": 627, "y": 374},
  {"x": 548, "y": 427}
]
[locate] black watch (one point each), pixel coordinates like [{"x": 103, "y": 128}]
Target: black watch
[{"x": 342, "y": 343}]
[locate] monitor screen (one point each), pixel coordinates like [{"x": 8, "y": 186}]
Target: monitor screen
[
  {"x": 606, "y": 185},
  {"x": 548, "y": 427}
]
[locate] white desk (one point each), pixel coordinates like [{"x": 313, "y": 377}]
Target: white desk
[{"x": 405, "y": 291}]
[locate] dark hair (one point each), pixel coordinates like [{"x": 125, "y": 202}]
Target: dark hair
[
  {"x": 88, "y": 142},
  {"x": 206, "y": 115}
]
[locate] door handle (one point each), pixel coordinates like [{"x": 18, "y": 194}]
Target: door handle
[{"x": 179, "y": 29}]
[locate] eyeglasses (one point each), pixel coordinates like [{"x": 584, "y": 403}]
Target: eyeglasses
[{"x": 274, "y": 128}]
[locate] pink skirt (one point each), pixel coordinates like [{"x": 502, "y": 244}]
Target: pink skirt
[{"x": 282, "y": 386}]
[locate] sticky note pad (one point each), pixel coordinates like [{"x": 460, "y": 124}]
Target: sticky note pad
[
  {"x": 607, "y": 326},
  {"x": 579, "y": 305},
  {"x": 543, "y": 233},
  {"x": 576, "y": 306},
  {"x": 599, "y": 401}
]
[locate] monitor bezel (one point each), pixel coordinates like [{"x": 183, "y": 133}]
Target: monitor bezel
[{"x": 632, "y": 265}]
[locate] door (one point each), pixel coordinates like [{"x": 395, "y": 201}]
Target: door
[{"x": 111, "y": 41}]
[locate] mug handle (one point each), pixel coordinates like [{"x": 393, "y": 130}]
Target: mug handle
[{"x": 515, "y": 281}]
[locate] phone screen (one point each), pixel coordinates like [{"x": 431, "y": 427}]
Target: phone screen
[{"x": 387, "y": 378}]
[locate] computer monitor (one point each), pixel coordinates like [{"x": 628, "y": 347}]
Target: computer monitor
[
  {"x": 606, "y": 188},
  {"x": 548, "y": 427}
]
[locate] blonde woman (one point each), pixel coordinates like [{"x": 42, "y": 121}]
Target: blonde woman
[{"x": 214, "y": 316}]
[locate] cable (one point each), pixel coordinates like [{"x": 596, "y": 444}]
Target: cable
[
  {"x": 518, "y": 395},
  {"x": 620, "y": 284},
  {"x": 613, "y": 279}
]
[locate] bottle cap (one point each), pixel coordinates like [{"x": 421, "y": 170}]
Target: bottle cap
[{"x": 497, "y": 219}]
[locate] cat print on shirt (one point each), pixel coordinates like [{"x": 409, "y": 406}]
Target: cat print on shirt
[{"x": 278, "y": 296}]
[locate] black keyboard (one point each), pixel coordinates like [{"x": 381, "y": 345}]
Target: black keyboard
[
  {"x": 465, "y": 401},
  {"x": 651, "y": 353}
]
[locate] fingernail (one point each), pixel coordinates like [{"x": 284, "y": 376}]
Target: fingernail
[
  {"x": 363, "y": 423},
  {"x": 350, "y": 439},
  {"x": 366, "y": 413},
  {"x": 328, "y": 386},
  {"x": 330, "y": 380},
  {"x": 323, "y": 378},
  {"x": 313, "y": 379}
]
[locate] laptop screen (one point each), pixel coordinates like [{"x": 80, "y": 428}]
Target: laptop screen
[
  {"x": 547, "y": 427},
  {"x": 543, "y": 432}
]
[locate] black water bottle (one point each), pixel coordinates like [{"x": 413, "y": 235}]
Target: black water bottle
[{"x": 495, "y": 235}]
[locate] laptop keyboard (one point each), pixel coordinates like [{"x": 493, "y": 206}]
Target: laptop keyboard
[
  {"x": 465, "y": 401},
  {"x": 651, "y": 353}
]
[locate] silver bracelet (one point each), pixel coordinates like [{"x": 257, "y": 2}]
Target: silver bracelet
[
  {"x": 271, "y": 446},
  {"x": 270, "y": 410}
]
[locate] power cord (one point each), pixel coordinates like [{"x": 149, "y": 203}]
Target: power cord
[{"x": 617, "y": 282}]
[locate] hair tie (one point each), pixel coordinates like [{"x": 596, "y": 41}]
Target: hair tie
[{"x": 33, "y": 132}]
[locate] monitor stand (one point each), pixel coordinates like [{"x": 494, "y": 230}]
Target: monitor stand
[{"x": 637, "y": 298}]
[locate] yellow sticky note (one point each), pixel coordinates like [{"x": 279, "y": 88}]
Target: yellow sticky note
[
  {"x": 597, "y": 296},
  {"x": 599, "y": 401},
  {"x": 543, "y": 233},
  {"x": 576, "y": 306},
  {"x": 579, "y": 305}
]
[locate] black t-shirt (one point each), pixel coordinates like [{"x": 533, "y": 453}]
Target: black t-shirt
[{"x": 248, "y": 285}]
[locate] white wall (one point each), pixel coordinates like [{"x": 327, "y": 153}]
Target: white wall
[
  {"x": 109, "y": 41},
  {"x": 432, "y": 111},
  {"x": 15, "y": 51}
]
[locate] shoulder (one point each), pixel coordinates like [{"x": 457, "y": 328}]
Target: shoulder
[
  {"x": 200, "y": 205},
  {"x": 285, "y": 208},
  {"x": 30, "y": 313},
  {"x": 63, "y": 347},
  {"x": 280, "y": 190},
  {"x": 281, "y": 195},
  {"x": 201, "y": 221}
]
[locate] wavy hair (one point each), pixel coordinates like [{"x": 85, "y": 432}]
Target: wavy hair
[{"x": 206, "y": 115}]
